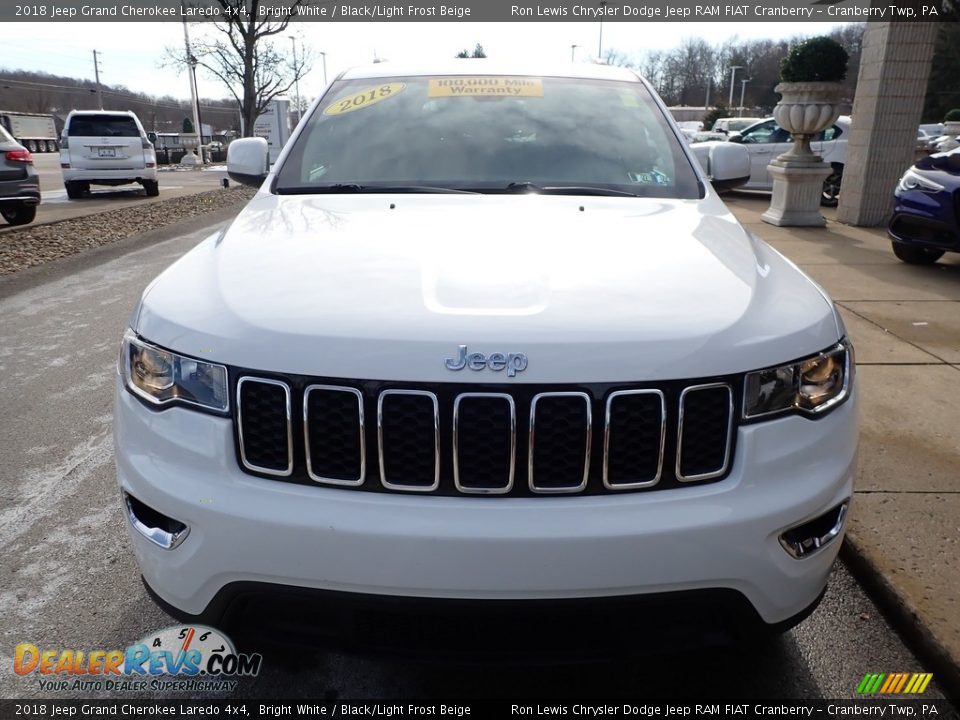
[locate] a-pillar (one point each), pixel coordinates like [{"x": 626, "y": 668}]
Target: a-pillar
[{"x": 894, "y": 66}]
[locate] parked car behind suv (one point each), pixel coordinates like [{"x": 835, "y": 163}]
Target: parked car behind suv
[
  {"x": 766, "y": 140},
  {"x": 926, "y": 212},
  {"x": 486, "y": 340},
  {"x": 19, "y": 185},
  {"x": 106, "y": 148}
]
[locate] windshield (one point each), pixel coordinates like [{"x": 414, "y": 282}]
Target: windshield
[{"x": 488, "y": 134}]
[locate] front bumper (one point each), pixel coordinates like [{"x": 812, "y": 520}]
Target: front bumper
[
  {"x": 927, "y": 219},
  {"x": 244, "y": 529}
]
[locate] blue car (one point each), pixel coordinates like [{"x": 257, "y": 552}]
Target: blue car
[{"x": 926, "y": 214}]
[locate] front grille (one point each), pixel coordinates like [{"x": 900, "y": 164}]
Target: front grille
[
  {"x": 484, "y": 443},
  {"x": 469, "y": 439},
  {"x": 560, "y": 433},
  {"x": 408, "y": 437},
  {"x": 263, "y": 419},
  {"x": 705, "y": 424}
]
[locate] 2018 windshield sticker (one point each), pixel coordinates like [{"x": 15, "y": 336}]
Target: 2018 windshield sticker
[
  {"x": 485, "y": 86},
  {"x": 364, "y": 98}
]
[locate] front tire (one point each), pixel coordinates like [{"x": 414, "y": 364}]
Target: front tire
[
  {"x": 831, "y": 187},
  {"x": 152, "y": 187},
  {"x": 20, "y": 214},
  {"x": 916, "y": 254}
]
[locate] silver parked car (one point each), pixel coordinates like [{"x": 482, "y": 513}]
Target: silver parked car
[{"x": 19, "y": 185}]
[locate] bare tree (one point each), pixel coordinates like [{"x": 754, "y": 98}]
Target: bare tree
[{"x": 245, "y": 53}]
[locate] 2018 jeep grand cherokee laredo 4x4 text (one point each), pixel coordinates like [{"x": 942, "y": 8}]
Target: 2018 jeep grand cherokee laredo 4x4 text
[{"x": 485, "y": 334}]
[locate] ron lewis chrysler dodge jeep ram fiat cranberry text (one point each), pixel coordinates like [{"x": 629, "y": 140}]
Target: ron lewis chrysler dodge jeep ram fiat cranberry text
[{"x": 486, "y": 334}]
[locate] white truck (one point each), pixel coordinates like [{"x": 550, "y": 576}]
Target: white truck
[{"x": 36, "y": 132}]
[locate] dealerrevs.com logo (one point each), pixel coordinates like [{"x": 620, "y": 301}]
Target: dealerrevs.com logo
[{"x": 185, "y": 658}]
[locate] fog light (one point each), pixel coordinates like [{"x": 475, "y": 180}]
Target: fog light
[
  {"x": 155, "y": 526},
  {"x": 807, "y": 539}
]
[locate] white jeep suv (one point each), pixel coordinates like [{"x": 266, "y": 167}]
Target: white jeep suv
[
  {"x": 106, "y": 147},
  {"x": 478, "y": 342}
]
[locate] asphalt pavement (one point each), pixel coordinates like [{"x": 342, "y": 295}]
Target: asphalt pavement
[{"x": 69, "y": 579}]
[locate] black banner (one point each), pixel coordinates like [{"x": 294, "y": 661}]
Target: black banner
[{"x": 478, "y": 10}]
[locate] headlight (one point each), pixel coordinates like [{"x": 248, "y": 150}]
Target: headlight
[
  {"x": 162, "y": 377},
  {"x": 913, "y": 180},
  {"x": 810, "y": 386}
]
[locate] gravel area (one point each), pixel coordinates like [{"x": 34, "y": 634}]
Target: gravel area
[{"x": 36, "y": 244}]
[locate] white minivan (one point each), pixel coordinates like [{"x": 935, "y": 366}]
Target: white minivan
[{"x": 106, "y": 147}]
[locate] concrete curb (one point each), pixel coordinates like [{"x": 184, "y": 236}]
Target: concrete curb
[
  {"x": 903, "y": 616},
  {"x": 61, "y": 267}
]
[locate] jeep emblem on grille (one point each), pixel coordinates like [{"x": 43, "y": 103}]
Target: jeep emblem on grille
[{"x": 511, "y": 362}]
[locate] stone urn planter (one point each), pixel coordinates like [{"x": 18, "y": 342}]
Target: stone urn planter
[
  {"x": 810, "y": 93},
  {"x": 805, "y": 109}
]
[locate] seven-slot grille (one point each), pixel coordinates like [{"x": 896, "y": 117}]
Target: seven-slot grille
[{"x": 455, "y": 439}]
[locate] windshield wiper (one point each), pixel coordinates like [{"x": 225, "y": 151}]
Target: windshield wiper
[
  {"x": 520, "y": 187},
  {"x": 346, "y": 188}
]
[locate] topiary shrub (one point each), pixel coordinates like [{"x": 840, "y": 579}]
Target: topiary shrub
[
  {"x": 819, "y": 59},
  {"x": 952, "y": 115}
]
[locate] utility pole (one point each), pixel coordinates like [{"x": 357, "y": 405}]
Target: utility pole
[
  {"x": 296, "y": 76},
  {"x": 96, "y": 73},
  {"x": 706, "y": 102},
  {"x": 733, "y": 72},
  {"x": 192, "y": 63},
  {"x": 603, "y": 5}
]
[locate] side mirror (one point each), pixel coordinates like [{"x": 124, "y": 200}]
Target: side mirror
[
  {"x": 735, "y": 139},
  {"x": 248, "y": 160},
  {"x": 726, "y": 165}
]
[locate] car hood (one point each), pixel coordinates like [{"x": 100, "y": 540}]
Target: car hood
[{"x": 591, "y": 289}]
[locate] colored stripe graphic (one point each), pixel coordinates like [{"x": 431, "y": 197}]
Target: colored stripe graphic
[{"x": 894, "y": 683}]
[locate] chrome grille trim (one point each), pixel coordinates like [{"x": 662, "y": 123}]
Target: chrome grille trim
[
  {"x": 606, "y": 441},
  {"x": 726, "y": 455},
  {"x": 361, "y": 428},
  {"x": 456, "y": 444},
  {"x": 436, "y": 442},
  {"x": 588, "y": 438},
  {"x": 243, "y": 455}
]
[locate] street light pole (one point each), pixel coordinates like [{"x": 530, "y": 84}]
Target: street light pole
[
  {"x": 733, "y": 72},
  {"x": 296, "y": 75},
  {"x": 706, "y": 102},
  {"x": 603, "y": 5},
  {"x": 743, "y": 87},
  {"x": 573, "y": 50},
  {"x": 324, "y": 55}
]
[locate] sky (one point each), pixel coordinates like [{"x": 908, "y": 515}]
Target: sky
[{"x": 131, "y": 54}]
